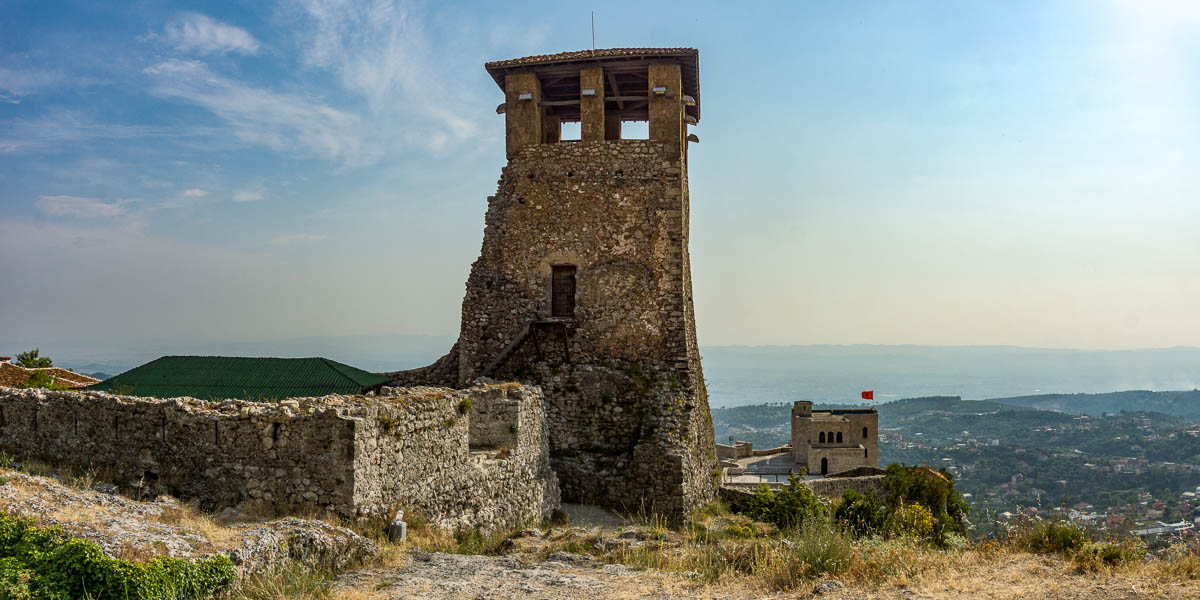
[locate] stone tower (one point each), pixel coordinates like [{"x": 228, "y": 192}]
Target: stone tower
[
  {"x": 583, "y": 285},
  {"x": 831, "y": 441}
]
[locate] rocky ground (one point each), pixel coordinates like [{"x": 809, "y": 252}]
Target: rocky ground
[
  {"x": 137, "y": 530},
  {"x": 437, "y": 576},
  {"x": 531, "y": 565},
  {"x": 528, "y": 571}
]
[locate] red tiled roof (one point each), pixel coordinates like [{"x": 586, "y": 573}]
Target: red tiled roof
[
  {"x": 618, "y": 62},
  {"x": 590, "y": 55},
  {"x": 15, "y": 376}
]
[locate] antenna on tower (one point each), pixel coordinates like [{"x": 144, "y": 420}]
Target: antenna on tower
[{"x": 593, "y": 30}]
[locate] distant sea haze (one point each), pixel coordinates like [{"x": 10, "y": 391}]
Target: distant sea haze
[
  {"x": 736, "y": 375},
  {"x": 745, "y": 375}
]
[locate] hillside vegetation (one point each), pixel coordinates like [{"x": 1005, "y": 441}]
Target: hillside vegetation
[{"x": 1179, "y": 404}]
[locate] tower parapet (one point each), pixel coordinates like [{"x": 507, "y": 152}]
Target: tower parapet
[{"x": 600, "y": 89}]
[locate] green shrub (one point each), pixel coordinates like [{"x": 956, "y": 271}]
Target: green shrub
[
  {"x": 933, "y": 490},
  {"x": 44, "y": 563},
  {"x": 42, "y": 379},
  {"x": 1093, "y": 556},
  {"x": 788, "y": 508},
  {"x": 1049, "y": 537},
  {"x": 862, "y": 514},
  {"x": 913, "y": 520},
  {"x": 464, "y": 406},
  {"x": 821, "y": 547}
]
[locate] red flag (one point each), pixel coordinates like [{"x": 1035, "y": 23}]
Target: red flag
[{"x": 869, "y": 395}]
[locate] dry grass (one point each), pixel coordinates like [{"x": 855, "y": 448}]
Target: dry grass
[
  {"x": 78, "y": 477},
  {"x": 1179, "y": 564},
  {"x": 193, "y": 520},
  {"x": 290, "y": 582}
]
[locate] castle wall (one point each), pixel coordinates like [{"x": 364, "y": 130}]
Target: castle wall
[
  {"x": 840, "y": 459},
  {"x": 831, "y": 489},
  {"x": 358, "y": 456}
]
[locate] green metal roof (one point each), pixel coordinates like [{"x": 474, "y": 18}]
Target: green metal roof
[{"x": 221, "y": 377}]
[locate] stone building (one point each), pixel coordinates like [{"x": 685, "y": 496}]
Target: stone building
[
  {"x": 831, "y": 441},
  {"x": 583, "y": 283}
]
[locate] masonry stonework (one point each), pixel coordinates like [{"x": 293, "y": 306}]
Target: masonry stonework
[
  {"x": 831, "y": 441},
  {"x": 583, "y": 284},
  {"x": 473, "y": 458}
]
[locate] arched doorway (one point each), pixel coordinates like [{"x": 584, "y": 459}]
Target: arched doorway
[{"x": 824, "y": 466}]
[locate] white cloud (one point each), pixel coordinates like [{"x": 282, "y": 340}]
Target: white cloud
[
  {"x": 280, "y": 240},
  {"x": 60, "y": 127},
  {"x": 80, "y": 207},
  {"x": 17, "y": 83},
  {"x": 378, "y": 49},
  {"x": 193, "y": 32},
  {"x": 258, "y": 116},
  {"x": 247, "y": 195},
  {"x": 195, "y": 193}
]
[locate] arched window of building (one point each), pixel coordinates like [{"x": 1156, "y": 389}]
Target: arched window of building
[
  {"x": 864, "y": 433},
  {"x": 821, "y": 438},
  {"x": 839, "y": 437},
  {"x": 824, "y": 466}
]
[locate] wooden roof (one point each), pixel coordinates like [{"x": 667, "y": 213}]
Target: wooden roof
[{"x": 626, "y": 71}]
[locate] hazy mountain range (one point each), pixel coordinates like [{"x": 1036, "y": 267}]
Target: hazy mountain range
[{"x": 739, "y": 375}]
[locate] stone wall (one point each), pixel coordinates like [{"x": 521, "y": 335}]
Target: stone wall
[
  {"x": 828, "y": 488},
  {"x": 629, "y": 421},
  {"x": 357, "y": 456},
  {"x": 737, "y": 450}
]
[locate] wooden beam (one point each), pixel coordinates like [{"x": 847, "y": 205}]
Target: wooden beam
[
  {"x": 631, "y": 66},
  {"x": 554, "y": 81},
  {"x": 561, "y": 103},
  {"x": 612, "y": 79}
]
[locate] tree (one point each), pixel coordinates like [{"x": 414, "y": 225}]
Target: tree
[{"x": 30, "y": 360}]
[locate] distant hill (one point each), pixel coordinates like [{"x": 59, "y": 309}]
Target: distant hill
[
  {"x": 768, "y": 425},
  {"x": 944, "y": 404},
  {"x": 1178, "y": 404}
]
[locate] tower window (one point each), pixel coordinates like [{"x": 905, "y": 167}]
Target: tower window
[
  {"x": 562, "y": 291},
  {"x": 864, "y": 433},
  {"x": 821, "y": 438},
  {"x": 839, "y": 437}
]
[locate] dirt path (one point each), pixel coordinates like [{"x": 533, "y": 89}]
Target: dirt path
[
  {"x": 1020, "y": 576},
  {"x": 436, "y": 576}
]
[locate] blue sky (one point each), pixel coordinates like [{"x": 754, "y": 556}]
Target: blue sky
[{"x": 869, "y": 172}]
